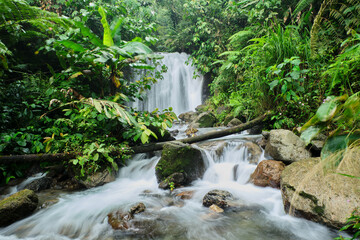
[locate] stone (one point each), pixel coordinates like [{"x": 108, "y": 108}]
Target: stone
[
  {"x": 216, "y": 146},
  {"x": 175, "y": 180},
  {"x": 190, "y": 132},
  {"x": 99, "y": 178},
  {"x": 138, "y": 208},
  {"x": 220, "y": 198},
  {"x": 267, "y": 174},
  {"x": 188, "y": 116},
  {"x": 39, "y": 184},
  {"x": 185, "y": 195},
  {"x": 17, "y": 206},
  {"x": 227, "y": 119},
  {"x": 284, "y": 145},
  {"x": 254, "y": 152},
  {"x": 255, "y": 130},
  {"x": 180, "y": 158},
  {"x": 49, "y": 203},
  {"x": 234, "y": 122},
  {"x": 200, "y": 108},
  {"x": 216, "y": 208},
  {"x": 119, "y": 220},
  {"x": 204, "y": 120},
  {"x": 324, "y": 198}
]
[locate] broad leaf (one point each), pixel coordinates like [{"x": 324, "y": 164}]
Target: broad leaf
[
  {"x": 309, "y": 134},
  {"x": 326, "y": 111},
  {"x": 74, "y": 46},
  {"x": 107, "y": 38},
  {"x": 136, "y": 48}
]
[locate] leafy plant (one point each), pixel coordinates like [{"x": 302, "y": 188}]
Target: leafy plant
[
  {"x": 353, "y": 225},
  {"x": 340, "y": 116}
]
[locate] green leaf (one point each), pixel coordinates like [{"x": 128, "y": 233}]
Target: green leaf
[
  {"x": 309, "y": 134},
  {"x": 136, "y": 48},
  {"x": 96, "y": 157},
  {"x": 144, "y": 138},
  {"x": 74, "y": 46},
  {"x": 98, "y": 106},
  {"x": 107, "y": 39},
  {"x": 273, "y": 84},
  {"x": 326, "y": 111},
  {"x": 334, "y": 144},
  {"x": 21, "y": 142}
]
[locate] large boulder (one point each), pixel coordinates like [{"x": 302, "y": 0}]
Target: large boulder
[
  {"x": 216, "y": 146},
  {"x": 284, "y": 145},
  {"x": 267, "y": 174},
  {"x": 327, "y": 198},
  {"x": 254, "y": 151},
  {"x": 180, "y": 158},
  {"x": 99, "y": 178},
  {"x": 188, "y": 116},
  {"x": 17, "y": 206},
  {"x": 175, "y": 180},
  {"x": 219, "y": 198},
  {"x": 39, "y": 184},
  {"x": 204, "y": 120},
  {"x": 234, "y": 122}
]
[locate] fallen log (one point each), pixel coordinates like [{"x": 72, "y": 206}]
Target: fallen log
[
  {"x": 210, "y": 135},
  {"x": 136, "y": 149},
  {"x": 30, "y": 158}
]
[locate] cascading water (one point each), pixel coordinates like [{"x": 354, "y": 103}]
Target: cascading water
[
  {"x": 259, "y": 214},
  {"x": 179, "y": 89}
]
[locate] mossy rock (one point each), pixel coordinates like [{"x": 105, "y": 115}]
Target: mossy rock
[
  {"x": 180, "y": 158},
  {"x": 204, "y": 120},
  {"x": 17, "y": 206}
]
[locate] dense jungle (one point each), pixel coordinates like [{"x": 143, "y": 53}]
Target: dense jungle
[{"x": 139, "y": 88}]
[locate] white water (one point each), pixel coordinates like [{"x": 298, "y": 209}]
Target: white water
[
  {"x": 83, "y": 215},
  {"x": 178, "y": 89}
]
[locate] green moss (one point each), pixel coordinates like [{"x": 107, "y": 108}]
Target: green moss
[{"x": 179, "y": 158}]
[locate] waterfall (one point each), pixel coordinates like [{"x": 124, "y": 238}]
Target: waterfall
[{"x": 178, "y": 89}]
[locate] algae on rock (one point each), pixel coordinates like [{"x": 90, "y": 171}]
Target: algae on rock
[{"x": 180, "y": 158}]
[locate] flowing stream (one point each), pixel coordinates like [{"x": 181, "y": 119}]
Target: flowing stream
[
  {"x": 259, "y": 215},
  {"x": 179, "y": 89}
]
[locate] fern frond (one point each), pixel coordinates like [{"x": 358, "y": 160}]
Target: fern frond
[{"x": 302, "y": 4}]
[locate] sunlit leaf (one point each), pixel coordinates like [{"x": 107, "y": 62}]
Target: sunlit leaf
[{"x": 326, "y": 111}]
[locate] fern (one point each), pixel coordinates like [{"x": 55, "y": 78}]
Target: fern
[
  {"x": 20, "y": 20},
  {"x": 302, "y": 4}
]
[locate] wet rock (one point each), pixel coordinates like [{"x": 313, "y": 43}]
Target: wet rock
[
  {"x": 188, "y": 116},
  {"x": 185, "y": 195},
  {"x": 284, "y": 145},
  {"x": 254, "y": 152},
  {"x": 329, "y": 199},
  {"x": 49, "y": 203},
  {"x": 175, "y": 180},
  {"x": 234, "y": 122},
  {"x": 99, "y": 179},
  {"x": 267, "y": 174},
  {"x": 17, "y": 206},
  {"x": 255, "y": 130},
  {"x": 39, "y": 184},
  {"x": 190, "y": 132},
  {"x": 174, "y": 133},
  {"x": 216, "y": 208},
  {"x": 216, "y": 146},
  {"x": 200, "y": 108},
  {"x": 217, "y": 197},
  {"x": 204, "y": 120},
  {"x": 227, "y": 119},
  {"x": 180, "y": 158},
  {"x": 138, "y": 208},
  {"x": 121, "y": 221}
]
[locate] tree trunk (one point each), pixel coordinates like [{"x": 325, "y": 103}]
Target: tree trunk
[{"x": 137, "y": 149}]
